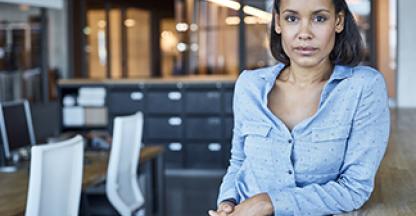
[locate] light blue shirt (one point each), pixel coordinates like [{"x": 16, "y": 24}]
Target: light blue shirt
[{"x": 328, "y": 162}]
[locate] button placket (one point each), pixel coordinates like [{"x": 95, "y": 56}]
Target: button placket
[{"x": 290, "y": 141}]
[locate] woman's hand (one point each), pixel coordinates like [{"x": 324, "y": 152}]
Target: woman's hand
[
  {"x": 224, "y": 209},
  {"x": 258, "y": 205}
]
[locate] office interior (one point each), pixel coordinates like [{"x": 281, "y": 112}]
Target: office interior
[{"x": 70, "y": 67}]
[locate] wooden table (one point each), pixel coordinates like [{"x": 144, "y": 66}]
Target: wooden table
[
  {"x": 13, "y": 186},
  {"x": 395, "y": 186}
]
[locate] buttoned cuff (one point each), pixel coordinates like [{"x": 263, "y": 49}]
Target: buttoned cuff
[{"x": 282, "y": 203}]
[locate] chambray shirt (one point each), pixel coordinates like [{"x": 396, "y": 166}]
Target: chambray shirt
[{"x": 327, "y": 163}]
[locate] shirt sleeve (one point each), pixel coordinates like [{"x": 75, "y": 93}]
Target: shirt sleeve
[
  {"x": 365, "y": 149},
  {"x": 227, "y": 188}
]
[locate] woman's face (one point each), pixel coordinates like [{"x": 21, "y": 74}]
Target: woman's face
[{"x": 308, "y": 29}]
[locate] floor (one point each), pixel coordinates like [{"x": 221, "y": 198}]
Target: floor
[{"x": 190, "y": 194}]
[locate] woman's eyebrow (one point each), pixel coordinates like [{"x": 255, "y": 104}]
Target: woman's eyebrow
[
  {"x": 320, "y": 11},
  {"x": 314, "y": 12},
  {"x": 289, "y": 11}
]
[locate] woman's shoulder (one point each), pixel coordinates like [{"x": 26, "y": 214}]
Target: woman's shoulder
[
  {"x": 257, "y": 76},
  {"x": 362, "y": 75},
  {"x": 366, "y": 78},
  {"x": 365, "y": 73}
]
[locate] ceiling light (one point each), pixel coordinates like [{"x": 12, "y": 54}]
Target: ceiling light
[
  {"x": 258, "y": 13},
  {"x": 227, "y": 3},
  {"x": 129, "y": 23},
  {"x": 232, "y": 20},
  {"x": 181, "y": 27}
]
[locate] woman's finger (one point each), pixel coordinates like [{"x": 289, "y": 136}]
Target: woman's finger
[
  {"x": 212, "y": 213},
  {"x": 227, "y": 208}
]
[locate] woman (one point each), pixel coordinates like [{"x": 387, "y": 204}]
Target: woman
[{"x": 309, "y": 134}]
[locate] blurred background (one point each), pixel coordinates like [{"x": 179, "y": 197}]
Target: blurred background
[
  {"x": 50, "y": 49},
  {"x": 105, "y": 39}
]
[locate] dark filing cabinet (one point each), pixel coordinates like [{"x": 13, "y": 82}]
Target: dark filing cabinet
[{"x": 191, "y": 118}]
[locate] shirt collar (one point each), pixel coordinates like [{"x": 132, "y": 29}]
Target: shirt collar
[
  {"x": 340, "y": 72},
  {"x": 272, "y": 71}
]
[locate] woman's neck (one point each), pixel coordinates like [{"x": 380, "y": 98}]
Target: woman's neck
[{"x": 305, "y": 77}]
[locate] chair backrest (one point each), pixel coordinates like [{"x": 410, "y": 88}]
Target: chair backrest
[
  {"x": 122, "y": 186},
  {"x": 56, "y": 178}
]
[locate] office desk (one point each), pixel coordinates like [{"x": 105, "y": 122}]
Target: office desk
[{"x": 13, "y": 186}]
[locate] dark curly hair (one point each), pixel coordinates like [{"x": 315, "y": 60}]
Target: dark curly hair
[{"x": 348, "y": 49}]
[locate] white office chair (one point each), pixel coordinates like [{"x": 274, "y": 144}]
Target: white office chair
[
  {"x": 55, "y": 178},
  {"x": 122, "y": 186}
]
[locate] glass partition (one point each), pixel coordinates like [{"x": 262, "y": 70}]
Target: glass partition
[
  {"x": 122, "y": 49},
  {"x": 20, "y": 52}
]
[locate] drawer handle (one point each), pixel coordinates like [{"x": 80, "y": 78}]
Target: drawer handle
[
  {"x": 175, "y": 121},
  {"x": 174, "y": 95},
  {"x": 213, "y": 95},
  {"x": 175, "y": 146},
  {"x": 136, "y": 96},
  {"x": 214, "y": 147},
  {"x": 214, "y": 121}
]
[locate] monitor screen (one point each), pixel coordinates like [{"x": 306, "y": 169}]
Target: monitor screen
[{"x": 16, "y": 126}]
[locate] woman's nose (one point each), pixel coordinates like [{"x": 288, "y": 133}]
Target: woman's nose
[{"x": 305, "y": 31}]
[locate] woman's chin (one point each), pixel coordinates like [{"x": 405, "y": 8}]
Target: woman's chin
[{"x": 306, "y": 62}]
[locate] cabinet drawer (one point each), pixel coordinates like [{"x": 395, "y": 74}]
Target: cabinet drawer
[
  {"x": 163, "y": 128},
  {"x": 204, "y": 128},
  {"x": 229, "y": 126},
  {"x": 125, "y": 102},
  {"x": 203, "y": 102},
  {"x": 228, "y": 102},
  {"x": 174, "y": 155},
  {"x": 205, "y": 155},
  {"x": 227, "y": 153},
  {"x": 164, "y": 102}
]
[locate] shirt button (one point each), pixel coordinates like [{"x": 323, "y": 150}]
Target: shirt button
[
  {"x": 290, "y": 141},
  {"x": 290, "y": 172}
]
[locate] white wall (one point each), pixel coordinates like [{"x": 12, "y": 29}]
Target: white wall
[
  {"x": 406, "y": 80},
  {"x": 58, "y": 40},
  {"x": 57, "y": 31},
  {"x": 11, "y": 12},
  {"x": 39, "y": 3}
]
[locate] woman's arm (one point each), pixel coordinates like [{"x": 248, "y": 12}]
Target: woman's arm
[
  {"x": 365, "y": 149},
  {"x": 227, "y": 189}
]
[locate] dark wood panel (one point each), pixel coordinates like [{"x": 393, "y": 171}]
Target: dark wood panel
[{"x": 160, "y": 5}]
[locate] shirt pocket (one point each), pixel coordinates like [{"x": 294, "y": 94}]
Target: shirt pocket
[
  {"x": 256, "y": 138},
  {"x": 330, "y": 134},
  {"x": 325, "y": 152}
]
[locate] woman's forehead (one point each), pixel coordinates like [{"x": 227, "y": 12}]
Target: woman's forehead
[{"x": 306, "y": 5}]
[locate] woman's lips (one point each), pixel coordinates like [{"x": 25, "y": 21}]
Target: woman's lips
[{"x": 306, "y": 50}]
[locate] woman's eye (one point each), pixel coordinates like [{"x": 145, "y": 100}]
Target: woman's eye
[
  {"x": 319, "y": 19},
  {"x": 291, "y": 18}
]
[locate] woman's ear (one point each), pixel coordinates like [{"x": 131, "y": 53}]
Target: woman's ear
[
  {"x": 339, "y": 26},
  {"x": 277, "y": 28}
]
